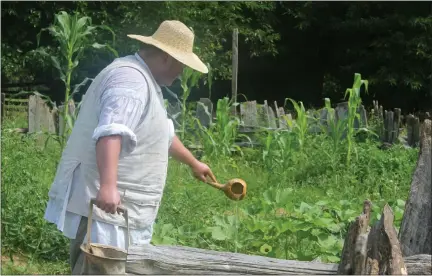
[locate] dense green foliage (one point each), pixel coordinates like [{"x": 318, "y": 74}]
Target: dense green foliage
[
  {"x": 302, "y": 193},
  {"x": 302, "y": 50}
]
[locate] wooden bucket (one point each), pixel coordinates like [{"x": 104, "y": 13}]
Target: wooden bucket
[{"x": 101, "y": 259}]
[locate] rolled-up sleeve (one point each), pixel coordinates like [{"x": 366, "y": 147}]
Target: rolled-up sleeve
[
  {"x": 171, "y": 131},
  {"x": 120, "y": 114}
]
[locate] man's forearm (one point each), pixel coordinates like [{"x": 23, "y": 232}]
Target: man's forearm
[
  {"x": 107, "y": 155},
  {"x": 180, "y": 153}
]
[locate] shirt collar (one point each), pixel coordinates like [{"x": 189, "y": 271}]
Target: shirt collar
[{"x": 139, "y": 58}]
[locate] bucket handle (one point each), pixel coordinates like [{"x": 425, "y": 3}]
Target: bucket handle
[{"x": 120, "y": 209}]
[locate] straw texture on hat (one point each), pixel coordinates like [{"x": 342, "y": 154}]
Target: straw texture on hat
[{"x": 176, "y": 39}]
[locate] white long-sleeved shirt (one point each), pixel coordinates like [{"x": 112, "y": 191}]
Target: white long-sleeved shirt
[{"x": 123, "y": 104}]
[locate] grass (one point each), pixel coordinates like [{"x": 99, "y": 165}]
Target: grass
[{"x": 302, "y": 194}]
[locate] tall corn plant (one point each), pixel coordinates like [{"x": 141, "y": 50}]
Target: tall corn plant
[
  {"x": 354, "y": 101},
  {"x": 335, "y": 127},
  {"x": 74, "y": 35},
  {"x": 277, "y": 155},
  {"x": 300, "y": 126},
  {"x": 189, "y": 79},
  {"x": 219, "y": 139}
]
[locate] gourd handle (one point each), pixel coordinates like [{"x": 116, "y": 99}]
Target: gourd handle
[{"x": 216, "y": 185}]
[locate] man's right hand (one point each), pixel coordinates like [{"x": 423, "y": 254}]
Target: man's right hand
[{"x": 108, "y": 198}]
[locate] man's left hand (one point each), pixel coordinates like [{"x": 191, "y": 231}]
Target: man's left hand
[{"x": 201, "y": 171}]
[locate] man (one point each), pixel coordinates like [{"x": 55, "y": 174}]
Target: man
[{"x": 118, "y": 150}]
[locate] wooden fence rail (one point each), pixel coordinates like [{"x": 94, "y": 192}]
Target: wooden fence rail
[
  {"x": 181, "y": 260},
  {"x": 12, "y": 105}
]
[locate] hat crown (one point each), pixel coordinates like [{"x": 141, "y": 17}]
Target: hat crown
[{"x": 176, "y": 34}]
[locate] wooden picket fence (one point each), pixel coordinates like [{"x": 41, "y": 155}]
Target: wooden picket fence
[
  {"x": 253, "y": 116},
  {"x": 391, "y": 124}
]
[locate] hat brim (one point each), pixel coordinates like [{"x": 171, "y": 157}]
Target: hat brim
[{"x": 189, "y": 59}]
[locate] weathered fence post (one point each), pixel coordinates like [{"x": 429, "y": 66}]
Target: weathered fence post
[
  {"x": 388, "y": 127},
  {"x": 204, "y": 111},
  {"x": 41, "y": 120},
  {"x": 266, "y": 116},
  {"x": 249, "y": 114},
  {"x": 2, "y": 106},
  {"x": 40, "y": 117},
  {"x": 352, "y": 261},
  {"x": 396, "y": 124},
  {"x": 280, "y": 114},
  {"x": 388, "y": 123},
  {"x": 33, "y": 114},
  {"x": 413, "y": 130},
  {"x": 271, "y": 118},
  {"x": 381, "y": 120},
  {"x": 234, "y": 66},
  {"x": 416, "y": 229},
  {"x": 372, "y": 251}
]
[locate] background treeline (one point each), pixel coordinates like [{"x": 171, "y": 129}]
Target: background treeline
[{"x": 302, "y": 50}]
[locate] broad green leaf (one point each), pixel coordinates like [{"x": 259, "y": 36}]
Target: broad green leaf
[
  {"x": 327, "y": 241},
  {"x": 218, "y": 233},
  {"x": 304, "y": 207},
  {"x": 78, "y": 86},
  {"x": 302, "y": 226},
  {"x": 283, "y": 226},
  {"x": 323, "y": 222},
  {"x": 268, "y": 196},
  {"x": 400, "y": 203},
  {"x": 101, "y": 46},
  {"x": 57, "y": 65},
  {"x": 284, "y": 195},
  {"x": 321, "y": 203},
  {"x": 333, "y": 259}
]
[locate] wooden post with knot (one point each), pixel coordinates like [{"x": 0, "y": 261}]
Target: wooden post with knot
[{"x": 371, "y": 251}]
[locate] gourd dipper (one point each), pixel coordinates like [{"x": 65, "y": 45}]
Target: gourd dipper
[{"x": 234, "y": 189}]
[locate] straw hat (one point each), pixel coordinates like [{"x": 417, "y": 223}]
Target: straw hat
[{"x": 176, "y": 39}]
